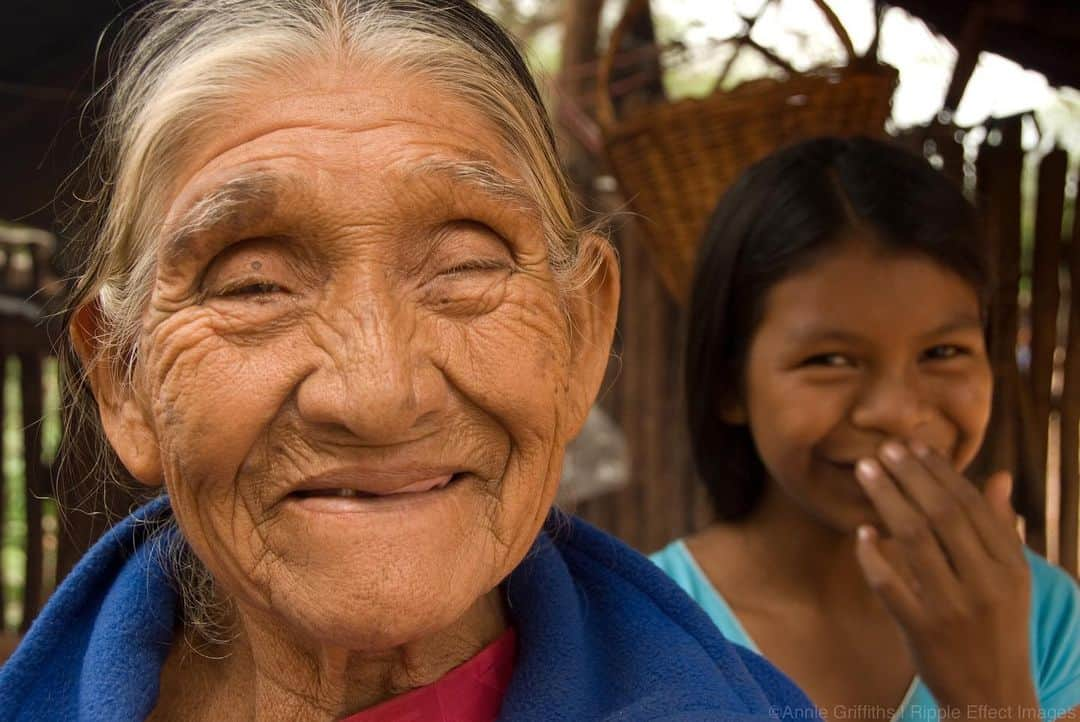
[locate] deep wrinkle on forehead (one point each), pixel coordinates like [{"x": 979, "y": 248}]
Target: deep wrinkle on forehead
[
  {"x": 241, "y": 201},
  {"x": 232, "y": 204},
  {"x": 478, "y": 176}
]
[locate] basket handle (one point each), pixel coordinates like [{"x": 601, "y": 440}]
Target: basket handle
[
  {"x": 838, "y": 28},
  {"x": 605, "y": 108}
]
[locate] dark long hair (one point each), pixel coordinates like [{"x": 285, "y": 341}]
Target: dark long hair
[{"x": 779, "y": 218}]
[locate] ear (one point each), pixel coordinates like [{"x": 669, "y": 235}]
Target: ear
[
  {"x": 125, "y": 420},
  {"x": 594, "y": 309}
]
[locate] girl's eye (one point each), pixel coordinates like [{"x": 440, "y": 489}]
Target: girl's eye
[
  {"x": 832, "y": 360},
  {"x": 943, "y": 352}
]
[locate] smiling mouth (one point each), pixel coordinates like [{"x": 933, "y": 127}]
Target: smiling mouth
[
  {"x": 345, "y": 493},
  {"x": 844, "y": 469},
  {"x": 418, "y": 487}
]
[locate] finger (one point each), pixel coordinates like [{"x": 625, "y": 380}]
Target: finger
[
  {"x": 899, "y": 560},
  {"x": 909, "y": 528},
  {"x": 885, "y": 580},
  {"x": 998, "y": 494},
  {"x": 948, "y": 519},
  {"x": 998, "y": 535}
]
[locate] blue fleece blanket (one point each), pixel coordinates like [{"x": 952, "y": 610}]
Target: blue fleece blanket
[{"x": 603, "y": 635}]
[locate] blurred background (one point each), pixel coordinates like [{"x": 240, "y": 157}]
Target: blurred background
[{"x": 658, "y": 106}]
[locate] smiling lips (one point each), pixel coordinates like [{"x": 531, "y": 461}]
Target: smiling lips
[{"x": 368, "y": 485}]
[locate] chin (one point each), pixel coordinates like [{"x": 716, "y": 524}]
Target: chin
[
  {"x": 356, "y": 621},
  {"x": 851, "y": 522},
  {"x": 846, "y": 515}
]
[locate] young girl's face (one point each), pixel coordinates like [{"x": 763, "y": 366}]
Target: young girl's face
[{"x": 863, "y": 346}]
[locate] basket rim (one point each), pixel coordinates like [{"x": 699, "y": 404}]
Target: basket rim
[{"x": 633, "y": 122}]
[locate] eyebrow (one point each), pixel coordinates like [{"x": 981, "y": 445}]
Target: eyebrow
[
  {"x": 479, "y": 176},
  {"x": 817, "y": 334},
  {"x": 235, "y": 203},
  {"x": 238, "y": 201},
  {"x": 960, "y": 323}
]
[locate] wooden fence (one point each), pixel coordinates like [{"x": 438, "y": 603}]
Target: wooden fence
[
  {"x": 42, "y": 539},
  {"x": 24, "y": 350}
]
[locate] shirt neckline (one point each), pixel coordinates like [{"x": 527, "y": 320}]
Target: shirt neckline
[
  {"x": 720, "y": 601},
  {"x": 474, "y": 690}
]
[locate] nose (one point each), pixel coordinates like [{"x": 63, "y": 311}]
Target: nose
[
  {"x": 376, "y": 378},
  {"x": 891, "y": 403}
]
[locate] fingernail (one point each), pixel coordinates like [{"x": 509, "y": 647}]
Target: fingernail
[
  {"x": 865, "y": 532},
  {"x": 918, "y": 448},
  {"x": 865, "y": 469},
  {"x": 892, "y": 451}
]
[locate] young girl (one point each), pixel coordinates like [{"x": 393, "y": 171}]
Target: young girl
[{"x": 839, "y": 385}]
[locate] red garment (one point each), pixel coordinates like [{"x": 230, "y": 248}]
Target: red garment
[{"x": 472, "y": 692}]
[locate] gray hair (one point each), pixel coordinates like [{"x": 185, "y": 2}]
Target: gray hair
[{"x": 181, "y": 64}]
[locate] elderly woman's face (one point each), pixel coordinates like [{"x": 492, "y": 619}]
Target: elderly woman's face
[{"x": 359, "y": 375}]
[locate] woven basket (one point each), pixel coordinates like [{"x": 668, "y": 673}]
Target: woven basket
[{"x": 674, "y": 160}]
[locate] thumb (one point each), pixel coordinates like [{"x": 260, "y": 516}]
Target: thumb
[{"x": 998, "y": 493}]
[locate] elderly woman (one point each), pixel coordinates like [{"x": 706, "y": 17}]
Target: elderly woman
[{"x": 334, "y": 306}]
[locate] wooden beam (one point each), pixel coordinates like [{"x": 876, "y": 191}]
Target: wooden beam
[{"x": 968, "y": 47}]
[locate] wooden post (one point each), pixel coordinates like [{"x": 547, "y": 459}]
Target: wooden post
[
  {"x": 581, "y": 26},
  {"x": 1045, "y": 306},
  {"x": 1070, "y": 418},
  {"x": 581, "y": 22},
  {"x": 3, "y": 479},
  {"x": 1045, "y": 294},
  {"x": 30, "y": 382},
  {"x": 999, "y": 171},
  {"x": 650, "y": 512}
]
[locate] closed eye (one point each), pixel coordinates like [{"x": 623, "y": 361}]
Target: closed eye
[
  {"x": 945, "y": 351},
  {"x": 251, "y": 288},
  {"x": 830, "y": 360},
  {"x": 475, "y": 265}
]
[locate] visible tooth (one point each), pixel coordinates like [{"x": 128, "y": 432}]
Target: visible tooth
[{"x": 346, "y": 492}]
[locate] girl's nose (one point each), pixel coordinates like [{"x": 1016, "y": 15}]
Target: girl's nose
[{"x": 891, "y": 404}]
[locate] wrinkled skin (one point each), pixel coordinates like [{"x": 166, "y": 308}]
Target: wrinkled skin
[{"x": 360, "y": 314}]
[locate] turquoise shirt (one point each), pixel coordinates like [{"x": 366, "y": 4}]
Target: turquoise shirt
[{"x": 1055, "y": 632}]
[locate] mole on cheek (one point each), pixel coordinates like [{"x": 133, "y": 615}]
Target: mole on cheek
[{"x": 256, "y": 265}]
